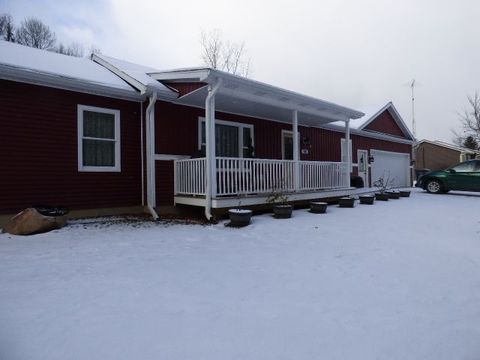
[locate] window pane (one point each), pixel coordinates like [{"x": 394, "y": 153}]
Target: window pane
[
  {"x": 465, "y": 167},
  {"x": 203, "y": 136},
  {"x": 226, "y": 140},
  {"x": 98, "y": 125},
  {"x": 98, "y": 153},
  {"x": 288, "y": 146},
  {"x": 247, "y": 143}
]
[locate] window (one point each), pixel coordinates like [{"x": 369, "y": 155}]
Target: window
[
  {"x": 98, "y": 139},
  {"x": 468, "y": 166},
  {"x": 231, "y": 139}
]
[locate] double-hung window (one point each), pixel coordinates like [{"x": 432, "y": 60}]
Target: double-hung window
[
  {"x": 98, "y": 139},
  {"x": 232, "y": 139}
]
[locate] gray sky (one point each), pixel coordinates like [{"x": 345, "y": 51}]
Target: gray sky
[{"x": 350, "y": 52}]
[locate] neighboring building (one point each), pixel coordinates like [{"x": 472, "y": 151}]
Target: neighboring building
[
  {"x": 103, "y": 136},
  {"x": 438, "y": 155}
]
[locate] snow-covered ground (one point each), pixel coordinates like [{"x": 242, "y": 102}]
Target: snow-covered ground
[{"x": 397, "y": 280}]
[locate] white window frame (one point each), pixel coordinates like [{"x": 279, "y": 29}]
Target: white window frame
[
  {"x": 116, "y": 114},
  {"x": 240, "y": 127},
  {"x": 289, "y": 133}
]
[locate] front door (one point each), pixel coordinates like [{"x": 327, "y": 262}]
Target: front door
[{"x": 362, "y": 159}]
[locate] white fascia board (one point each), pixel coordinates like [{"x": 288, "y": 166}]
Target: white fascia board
[
  {"x": 28, "y": 76},
  {"x": 368, "y": 134},
  {"x": 277, "y": 96}
]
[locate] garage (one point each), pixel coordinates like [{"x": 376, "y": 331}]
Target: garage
[{"x": 393, "y": 165}]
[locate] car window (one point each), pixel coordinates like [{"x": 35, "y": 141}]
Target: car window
[
  {"x": 477, "y": 166},
  {"x": 468, "y": 166}
]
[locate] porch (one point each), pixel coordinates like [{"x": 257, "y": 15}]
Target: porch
[{"x": 251, "y": 181}]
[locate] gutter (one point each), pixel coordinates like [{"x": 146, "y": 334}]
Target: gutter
[{"x": 210, "y": 150}]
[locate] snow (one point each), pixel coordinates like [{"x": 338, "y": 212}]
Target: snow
[
  {"x": 396, "y": 280},
  {"x": 47, "y": 62},
  {"x": 138, "y": 72},
  {"x": 240, "y": 211}
]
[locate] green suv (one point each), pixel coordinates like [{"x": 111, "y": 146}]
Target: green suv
[{"x": 464, "y": 177}]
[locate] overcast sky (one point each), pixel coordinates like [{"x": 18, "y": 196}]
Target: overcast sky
[{"x": 353, "y": 53}]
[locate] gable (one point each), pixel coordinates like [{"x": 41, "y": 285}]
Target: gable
[{"x": 386, "y": 124}]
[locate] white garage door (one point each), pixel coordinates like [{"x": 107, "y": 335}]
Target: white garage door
[{"x": 395, "y": 166}]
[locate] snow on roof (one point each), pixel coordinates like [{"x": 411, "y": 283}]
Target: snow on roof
[
  {"x": 450, "y": 146},
  {"x": 64, "y": 68},
  {"x": 136, "y": 75}
]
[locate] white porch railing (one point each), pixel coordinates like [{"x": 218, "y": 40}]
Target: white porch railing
[
  {"x": 257, "y": 176},
  {"x": 315, "y": 175}
]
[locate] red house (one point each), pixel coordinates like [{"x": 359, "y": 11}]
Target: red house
[{"x": 104, "y": 136}]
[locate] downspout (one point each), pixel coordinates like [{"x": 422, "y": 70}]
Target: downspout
[
  {"x": 150, "y": 150},
  {"x": 209, "y": 149},
  {"x": 141, "y": 154}
]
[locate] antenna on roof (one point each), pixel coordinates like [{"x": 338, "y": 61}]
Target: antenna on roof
[{"x": 414, "y": 129}]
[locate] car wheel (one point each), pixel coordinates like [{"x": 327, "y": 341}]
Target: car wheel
[{"x": 434, "y": 187}]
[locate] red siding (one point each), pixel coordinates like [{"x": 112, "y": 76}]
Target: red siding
[
  {"x": 185, "y": 88},
  {"x": 386, "y": 124},
  {"x": 164, "y": 182},
  {"x": 38, "y": 153}
]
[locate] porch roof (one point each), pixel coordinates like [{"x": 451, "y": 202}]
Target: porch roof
[{"x": 248, "y": 97}]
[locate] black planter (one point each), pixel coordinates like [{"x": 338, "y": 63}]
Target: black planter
[
  {"x": 239, "y": 217},
  {"x": 367, "y": 199},
  {"x": 346, "y": 202},
  {"x": 282, "y": 211},
  {"x": 318, "y": 207},
  {"x": 382, "y": 196},
  {"x": 393, "y": 194},
  {"x": 404, "y": 193}
]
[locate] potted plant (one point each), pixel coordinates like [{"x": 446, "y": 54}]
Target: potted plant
[
  {"x": 393, "y": 194},
  {"x": 404, "y": 193},
  {"x": 346, "y": 202},
  {"x": 383, "y": 184},
  {"x": 318, "y": 207},
  {"x": 239, "y": 217},
  {"x": 367, "y": 199},
  {"x": 279, "y": 198}
]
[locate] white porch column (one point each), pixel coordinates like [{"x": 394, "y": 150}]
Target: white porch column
[
  {"x": 211, "y": 164},
  {"x": 348, "y": 151},
  {"x": 296, "y": 152}
]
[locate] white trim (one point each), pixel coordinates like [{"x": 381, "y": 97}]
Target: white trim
[
  {"x": 367, "y": 134},
  {"x": 162, "y": 157},
  {"x": 225, "y": 202},
  {"x": 228, "y": 123},
  {"x": 26, "y": 76},
  {"x": 80, "y": 137}
]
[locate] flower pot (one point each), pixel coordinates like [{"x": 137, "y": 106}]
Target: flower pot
[
  {"x": 367, "y": 199},
  {"x": 282, "y": 211},
  {"x": 346, "y": 202},
  {"x": 393, "y": 194},
  {"x": 382, "y": 196},
  {"x": 239, "y": 217},
  {"x": 318, "y": 207},
  {"x": 404, "y": 193}
]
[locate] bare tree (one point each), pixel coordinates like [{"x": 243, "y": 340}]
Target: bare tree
[
  {"x": 72, "y": 50},
  {"x": 470, "y": 122},
  {"x": 35, "y": 33},
  {"x": 7, "y": 29},
  {"x": 221, "y": 55}
]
